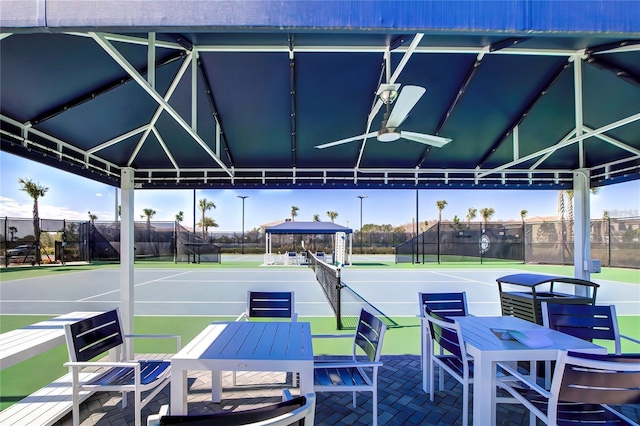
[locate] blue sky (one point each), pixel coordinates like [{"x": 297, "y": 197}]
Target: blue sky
[{"x": 71, "y": 197}]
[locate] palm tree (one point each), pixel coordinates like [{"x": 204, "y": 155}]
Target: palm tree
[
  {"x": 148, "y": 214},
  {"x": 332, "y": 215},
  {"x": 92, "y": 217},
  {"x": 207, "y": 223},
  {"x": 13, "y": 231},
  {"x": 440, "y": 204},
  {"x": 471, "y": 214},
  {"x": 204, "y": 205},
  {"x": 35, "y": 191},
  {"x": 486, "y": 214},
  {"x": 180, "y": 216},
  {"x": 294, "y": 213},
  {"x": 523, "y": 214},
  {"x": 316, "y": 218}
]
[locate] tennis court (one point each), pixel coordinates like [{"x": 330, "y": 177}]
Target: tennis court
[{"x": 215, "y": 291}]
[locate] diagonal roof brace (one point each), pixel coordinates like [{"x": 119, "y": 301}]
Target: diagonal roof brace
[
  {"x": 85, "y": 97},
  {"x": 292, "y": 94},
  {"x": 602, "y": 63},
  {"x": 595, "y": 132},
  {"x": 126, "y": 65},
  {"x": 220, "y": 135},
  {"x": 523, "y": 113}
]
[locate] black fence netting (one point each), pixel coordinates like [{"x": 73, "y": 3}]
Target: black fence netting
[
  {"x": 615, "y": 242},
  {"x": 453, "y": 242}
]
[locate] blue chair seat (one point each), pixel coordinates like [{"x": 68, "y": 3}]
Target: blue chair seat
[
  {"x": 339, "y": 376},
  {"x": 150, "y": 371}
]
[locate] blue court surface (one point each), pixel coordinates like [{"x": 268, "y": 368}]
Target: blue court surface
[{"x": 222, "y": 291}]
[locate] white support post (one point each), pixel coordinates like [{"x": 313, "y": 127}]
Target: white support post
[
  {"x": 151, "y": 60},
  {"x": 582, "y": 226},
  {"x": 127, "y": 254},
  {"x": 577, "y": 80}
]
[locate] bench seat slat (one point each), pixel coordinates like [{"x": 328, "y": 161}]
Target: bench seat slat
[{"x": 45, "y": 406}]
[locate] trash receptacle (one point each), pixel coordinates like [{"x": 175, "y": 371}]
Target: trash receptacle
[{"x": 527, "y": 303}]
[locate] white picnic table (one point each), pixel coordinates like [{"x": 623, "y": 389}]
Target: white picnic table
[{"x": 243, "y": 346}]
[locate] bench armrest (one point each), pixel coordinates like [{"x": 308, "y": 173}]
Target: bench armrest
[{"x": 157, "y": 336}]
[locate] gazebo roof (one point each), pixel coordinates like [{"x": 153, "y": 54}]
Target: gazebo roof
[
  {"x": 240, "y": 94},
  {"x": 308, "y": 228}
]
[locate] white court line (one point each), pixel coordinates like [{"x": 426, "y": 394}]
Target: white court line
[
  {"x": 86, "y": 299},
  {"x": 465, "y": 279}
]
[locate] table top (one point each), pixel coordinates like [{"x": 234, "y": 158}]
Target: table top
[
  {"x": 26, "y": 342},
  {"x": 251, "y": 341},
  {"x": 477, "y": 334}
]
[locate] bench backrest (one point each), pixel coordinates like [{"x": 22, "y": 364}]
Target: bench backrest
[{"x": 93, "y": 336}]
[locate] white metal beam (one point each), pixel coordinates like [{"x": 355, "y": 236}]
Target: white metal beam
[
  {"x": 118, "y": 139},
  {"x": 550, "y": 153}
]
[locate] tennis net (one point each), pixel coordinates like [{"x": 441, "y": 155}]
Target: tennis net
[{"x": 344, "y": 301}]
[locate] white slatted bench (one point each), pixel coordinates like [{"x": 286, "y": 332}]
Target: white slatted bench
[{"x": 52, "y": 402}]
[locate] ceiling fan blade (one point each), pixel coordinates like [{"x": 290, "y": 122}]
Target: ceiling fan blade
[
  {"x": 436, "y": 141},
  {"x": 409, "y": 96},
  {"x": 341, "y": 141}
]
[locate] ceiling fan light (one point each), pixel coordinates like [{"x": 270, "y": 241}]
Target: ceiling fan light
[
  {"x": 388, "y": 96},
  {"x": 386, "y": 135}
]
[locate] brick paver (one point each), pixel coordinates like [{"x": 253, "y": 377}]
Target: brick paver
[{"x": 401, "y": 400}]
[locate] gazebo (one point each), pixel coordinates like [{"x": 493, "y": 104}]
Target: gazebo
[
  {"x": 309, "y": 228},
  {"x": 519, "y": 94}
]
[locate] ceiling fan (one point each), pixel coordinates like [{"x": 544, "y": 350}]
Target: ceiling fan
[{"x": 389, "y": 131}]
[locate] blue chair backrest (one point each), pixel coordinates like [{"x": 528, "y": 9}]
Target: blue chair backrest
[
  {"x": 444, "y": 304},
  {"x": 444, "y": 333},
  {"x": 585, "y": 322},
  {"x": 93, "y": 336},
  {"x": 369, "y": 334},
  {"x": 615, "y": 381},
  {"x": 271, "y": 304}
]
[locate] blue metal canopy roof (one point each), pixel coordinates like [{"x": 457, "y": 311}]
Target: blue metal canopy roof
[
  {"x": 240, "y": 93},
  {"x": 308, "y": 228}
]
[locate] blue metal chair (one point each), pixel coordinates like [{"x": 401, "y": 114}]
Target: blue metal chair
[
  {"x": 453, "y": 358},
  {"x": 583, "y": 387},
  {"x": 350, "y": 375}
]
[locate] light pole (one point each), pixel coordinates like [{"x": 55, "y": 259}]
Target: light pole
[
  {"x": 362, "y": 197},
  {"x": 243, "y": 198}
]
